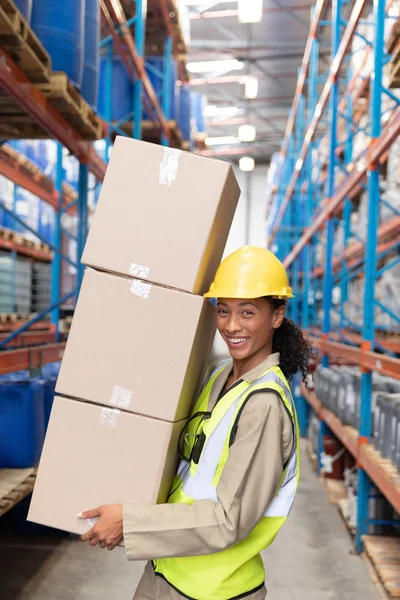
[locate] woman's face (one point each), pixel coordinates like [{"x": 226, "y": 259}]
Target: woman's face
[{"x": 247, "y": 326}]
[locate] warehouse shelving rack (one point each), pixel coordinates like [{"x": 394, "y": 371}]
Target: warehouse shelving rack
[
  {"x": 309, "y": 202},
  {"x": 128, "y": 37},
  {"x": 29, "y": 97}
]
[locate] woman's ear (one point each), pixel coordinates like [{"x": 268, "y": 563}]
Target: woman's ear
[{"x": 279, "y": 315}]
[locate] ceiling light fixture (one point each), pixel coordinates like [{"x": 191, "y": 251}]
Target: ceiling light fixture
[
  {"x": 246, "y": 163},
  {"x": 250, "y": 86},
  {"x": 208, "y": 66},
  {"x": 221, "y": 111},
  {"x": 222, "y": 140},
  {"x": 247, "y": 133},
  {"x": 250, "y": 11}
]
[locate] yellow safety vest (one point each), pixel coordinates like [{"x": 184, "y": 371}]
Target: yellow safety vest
[{"x": 238, "y": 570}]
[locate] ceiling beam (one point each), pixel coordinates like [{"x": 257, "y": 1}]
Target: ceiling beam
[
  {"x": 232, "y": 79},
  {"x": 229, "y": 13}
]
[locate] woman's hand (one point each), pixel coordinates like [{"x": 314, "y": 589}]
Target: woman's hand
[{"x": 108, "y": 531}]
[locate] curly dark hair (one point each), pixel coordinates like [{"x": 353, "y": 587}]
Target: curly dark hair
[{"x": 289, "y": 341}]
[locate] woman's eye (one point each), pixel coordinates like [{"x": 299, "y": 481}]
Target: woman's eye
[{"x": 247, "y": 313}]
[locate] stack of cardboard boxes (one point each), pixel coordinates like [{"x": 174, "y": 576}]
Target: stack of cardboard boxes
[{"x": 141, "y": 335}]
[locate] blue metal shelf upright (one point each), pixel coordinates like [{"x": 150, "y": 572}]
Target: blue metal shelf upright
[{"x": 313, "y": 206}]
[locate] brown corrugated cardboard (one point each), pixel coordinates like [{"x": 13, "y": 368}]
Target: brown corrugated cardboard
[
  {"x": 95, "y": 455},
  {"x": 139, "y": 347},
  {"x": 163, "y": 215}
]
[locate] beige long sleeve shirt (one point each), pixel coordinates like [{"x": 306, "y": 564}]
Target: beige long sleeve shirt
[{"x": 250, "y": 478}]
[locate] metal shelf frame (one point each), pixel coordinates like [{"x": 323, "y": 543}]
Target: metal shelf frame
[
  {"x": 318, "y": 185},
  {"x": 130, "y": 46}
]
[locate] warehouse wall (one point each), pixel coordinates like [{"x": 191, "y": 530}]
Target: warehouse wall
[{"x": 250, "y": 206}]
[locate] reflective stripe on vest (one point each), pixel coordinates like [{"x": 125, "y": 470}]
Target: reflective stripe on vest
[{"x": 202, "y": 484}]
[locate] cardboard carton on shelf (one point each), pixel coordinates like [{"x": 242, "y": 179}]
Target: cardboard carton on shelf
[
  {"x": 95, "y": 455},
  {"x": 163, "y": 215},
  {"x": 135, "y": 346}
]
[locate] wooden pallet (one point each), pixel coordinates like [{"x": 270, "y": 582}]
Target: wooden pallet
[
  {"x": 6, "y": 234},
  {"x": 394, "y": 66},
  {"x": 313, "y": 458},
  {"x": 335, "y": 489},
  {"x": 15, "y": 485},
  {"x": 9, "y": 317},
  {"x": 41, "y": 246},
  {"x": 384, "y": 553},
  {"x": 385, "y": 464},
  {"x": 151, "y": 132},
  {"x": 69, "y": 102},
  {"x": 15, "y": 123},
  {"x": 22, "y": 45}
]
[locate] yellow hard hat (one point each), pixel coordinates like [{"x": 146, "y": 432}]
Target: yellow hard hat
[{"x": 250, "y": 272}]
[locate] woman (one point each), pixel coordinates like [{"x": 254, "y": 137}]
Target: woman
[{"x": 239, "y": 452}]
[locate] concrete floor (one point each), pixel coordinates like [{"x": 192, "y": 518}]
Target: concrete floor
[{"x": 311, "y": 559}]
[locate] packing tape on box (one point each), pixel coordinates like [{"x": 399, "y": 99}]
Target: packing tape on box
[
  {"x": 121, "y": 397},
  {"x": 140, "y": 288},
  {"x": 169, "y": 166},
  {"x": 109, "y": 416},
  {"x": 139, "y": 271}
]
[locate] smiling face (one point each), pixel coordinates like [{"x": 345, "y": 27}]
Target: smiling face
[{"x": 247, "y": 327}]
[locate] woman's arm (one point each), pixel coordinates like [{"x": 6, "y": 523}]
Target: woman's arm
[{"x": 247, "y": 485}]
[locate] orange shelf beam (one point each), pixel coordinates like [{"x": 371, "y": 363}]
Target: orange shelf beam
[
  {"x": 387, "y": 233},
  {"x": 29, "y": 338},
  {"x": 390, "y": 133},
  {"x": 125, "y": 45},
  {"x": 25, "y": 251},
  {"x": 321, "y": 104},
  {"x": 381, "y": 472},
  {"x": 25, "y": 358},
  {"x": 372, "y": 361},
  {"x": 27, "y": 95},
  {"x": 319, "y": 7},
  {"x": 27, "y": 175}
]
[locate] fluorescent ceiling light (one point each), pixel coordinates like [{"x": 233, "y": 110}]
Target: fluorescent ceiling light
[
  {"x": 251, "y": 87},
  {"x": 250, "y": 11},
  {"x": 220, "y": 141},
  {"x": 207, "y": 66},
  {"x": 246, "y": 163},
  {"x": 222, "y": 111},
  {"x": 203, "y": 2},
  {"x": 247, "y": 133}
]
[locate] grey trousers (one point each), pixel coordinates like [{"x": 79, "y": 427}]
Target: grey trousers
[{"x": 152, "y": 587}]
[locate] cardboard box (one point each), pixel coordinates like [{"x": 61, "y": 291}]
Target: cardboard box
[
  {"x": 95, "y": 455},
  {"x": 163, "y": 215},
  {"x": 135, "y": 346}
]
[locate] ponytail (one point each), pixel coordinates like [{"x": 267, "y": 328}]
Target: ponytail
[{"x": 295, "y": 350}]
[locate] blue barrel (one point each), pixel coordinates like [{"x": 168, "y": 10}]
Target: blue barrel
[
  {"x": 47, "y": 221},
  {"x": 25, "y": 8},
  {"x": 90, "y": 81},
  {"x": 121, "y": 89},
  {"x": 157, "y": 62},
  {"x": 185, "y": 114},
  {"x": 198, "y": 102},
  {"x": 21, "y": 423},
  {"x": 27, "y": 209},
  {"x": 60, "y": 27},
  {"x": 49, "y": 377}
]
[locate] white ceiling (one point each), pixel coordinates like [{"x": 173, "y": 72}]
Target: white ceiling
[{"x": 271, "y": 50}]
